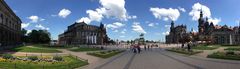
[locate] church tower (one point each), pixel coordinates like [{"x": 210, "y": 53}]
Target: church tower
[
  {"x": 200, "y": 23},
  {"x": 172, "y": 26}
]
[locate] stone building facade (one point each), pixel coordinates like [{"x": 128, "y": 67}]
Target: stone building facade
[
  {"x": 10, "y": 26},
  {"x": 207, "y": 33},
  {"x": 81, "y": 34},
  {"x": 176, "y": 33},
  {"x": 215, "y": 34}
]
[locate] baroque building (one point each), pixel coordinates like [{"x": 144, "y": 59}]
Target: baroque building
[
  {"x": 176, "y": 33},
  {"x": 207, "y": 33},
  {"x": 10, "y": 27},
  {"x": 215, "y": 34},
  {"x": 81, "y": 34}
]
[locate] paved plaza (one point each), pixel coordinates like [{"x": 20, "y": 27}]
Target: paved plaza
[{"x": 160, "y": 59}]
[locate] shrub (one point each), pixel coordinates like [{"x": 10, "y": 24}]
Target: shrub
[
  {"x": 102, "y": 52},
  {"x": 109, "y": 51},
  {"x": 58, "y": 58},
  {"x": 230, "y": 53},
  {"x": 33, "y": 58},
  {"x": 7, "y": 56}
]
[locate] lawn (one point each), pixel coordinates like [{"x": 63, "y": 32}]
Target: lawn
[
  {"x": 83, "y": 49},
  {"x": 68, "y": 63},
  {"x": 233, "y": 49},
  {"x": 35, "y": 50},
  {"x": 223, "y": 55},
  {"x": 202, "y": 47},
  {"x": 106, "y": 54},
  {"x": 184, "y": 51},
  {"x": 51, "y": 47}
]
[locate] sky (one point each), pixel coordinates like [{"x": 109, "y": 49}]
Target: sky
[{"x": 124, "y": 19}]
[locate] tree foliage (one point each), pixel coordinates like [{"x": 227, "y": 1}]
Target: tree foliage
[{"x": 36, "y": 36}]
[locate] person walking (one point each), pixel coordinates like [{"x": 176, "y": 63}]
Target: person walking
[
  {"x": 188, "y": 47},
  {"x": 148, "y": 47},
  {"x": 145, "y": 48},
  {"x": 138, "y": 48},
  {"x": 182, "y": 45}
]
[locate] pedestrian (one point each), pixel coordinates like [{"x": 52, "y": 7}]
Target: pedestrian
[
  {"x": 138, "y": 48},
  {"x": 188, "y": 47},
  {"x": 145, "y": 48},
  {"x": 134, "y": 49},
  {"x": 182, "y": 45},
  {"x": 148, "y": 47},
  {"x": 151, "y": 46}
]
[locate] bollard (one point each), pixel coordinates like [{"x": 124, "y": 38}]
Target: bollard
[
  {"x": 43, "y": 66},
  {"x": 15, "y": 66},
  {"x": 69, "y": 66}
]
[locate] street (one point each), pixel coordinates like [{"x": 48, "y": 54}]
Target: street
[{"x": 161, "y": 59}]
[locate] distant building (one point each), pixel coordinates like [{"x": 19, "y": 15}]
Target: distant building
[
  {"x": 10, "y": 26},
  {"x": 207, "y": 33},
  {"x": 215, "y": 34},
  {"x": 81, "y": 33},
  {"x": 176, "y": 33},
  {"x": 53, "y": 42},
  {"x": 140, "y": 40}
]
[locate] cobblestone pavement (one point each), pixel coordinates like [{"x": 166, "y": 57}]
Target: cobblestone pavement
[{"x": 161, "y": 59}]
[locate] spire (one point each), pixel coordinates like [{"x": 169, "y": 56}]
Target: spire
[
  {"x": 172, "y": 26},
  {"x": 192, "y": 30},
  {"x": 201, "y": 14}
]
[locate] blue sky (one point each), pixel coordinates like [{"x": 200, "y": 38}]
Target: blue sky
[{"x": 124, "y": 19}]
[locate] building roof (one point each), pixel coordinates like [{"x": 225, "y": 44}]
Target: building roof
[{"x": 10, "y": 10}]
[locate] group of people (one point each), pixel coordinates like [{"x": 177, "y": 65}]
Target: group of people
[{"x": 137, "y": 49}]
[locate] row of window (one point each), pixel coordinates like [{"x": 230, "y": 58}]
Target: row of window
[{"x": 11, "y": 23}]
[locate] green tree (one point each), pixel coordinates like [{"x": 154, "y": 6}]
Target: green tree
[
  {"x": 24, "y": 37},
  {"x": 39, "y": 36}
]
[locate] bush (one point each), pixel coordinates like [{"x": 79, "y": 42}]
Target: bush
[
  {"x": 222, "y": 55},
  {"x": 102, "y": 52},
  {"x": 7, "y": 56},
  {"x": 33, "y": 58},
  {"x": 58, "y": 58},
  {"x": 230, "y": 53}
]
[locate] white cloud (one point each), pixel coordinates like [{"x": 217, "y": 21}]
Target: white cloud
[
  {"x": 181, "y": 9},
  {"x": 114, "y": 8},
  {"x": 151, "y": 24},
  {"x": 195, "y": 13},
  {"x": 64, "y": 13},
  {"x": 25, "y": 25},
  {"x": 41, "y": 27},
  {"x": 94, "y": 16},
  {"x": 167, "y": 26},
  {"x": 34, "y": 19},
  {"x": 84, "y": 19},
  {"x": 122, "y": 36},
  {"x": 123, "y": 31},
  {"x": 110, "y": 9},
  {"x": 196, "y": 8},
  {"x": 138, "y": 28},
  {"x": 193, "y": 30},
  {"x": 132, "y": 17},
  {"x": 214, "y": 20},
  {"x": 115, "y": 25},
  {"x": 115, "y": 31},
  {"x": 28, "y": 31},
  {"x": 165, "y": 14},
  {"x": 166, "y": 33}
]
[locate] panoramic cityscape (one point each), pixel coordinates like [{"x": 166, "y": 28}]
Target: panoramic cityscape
[{"x": 119, "y": 34}]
